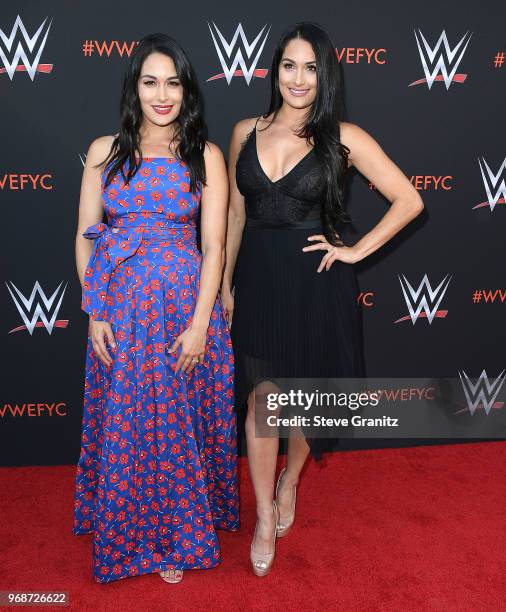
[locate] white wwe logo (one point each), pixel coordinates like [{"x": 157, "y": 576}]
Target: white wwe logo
[
  {"x": 234, "y": 54},
  {"x": 25, "y": 306},
  {"x": 20, "y": 54},
  {"x": 484, "y": 391},
  {"x": 445, "y": 58},
  {"x": 424, "y": 298},
  {"x": 491, "y": 182}
]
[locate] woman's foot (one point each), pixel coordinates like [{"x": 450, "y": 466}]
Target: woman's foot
[
  {"x": 286, "y": 497},
  {"x": 172, "y": 576},
  {"x": 263, "y": 546}
]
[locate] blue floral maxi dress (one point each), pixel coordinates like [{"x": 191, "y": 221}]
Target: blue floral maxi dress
[{"x": 157, "y": 473}]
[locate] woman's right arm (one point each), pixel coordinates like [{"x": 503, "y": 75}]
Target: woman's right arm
[
  {"x": 91, "y": 212},
  {"x": 236, "y": 216},
  {"x": 90, "y": 201}
]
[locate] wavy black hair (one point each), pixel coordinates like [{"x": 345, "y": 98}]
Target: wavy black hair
[
  {"x": 321, "y": 127},
  {"x": 191, "y": 132}
]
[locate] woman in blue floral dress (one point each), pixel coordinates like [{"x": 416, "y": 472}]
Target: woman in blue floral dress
[{"x": 157, "y": 474}]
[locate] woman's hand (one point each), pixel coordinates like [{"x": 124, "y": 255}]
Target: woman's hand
[
  {"x": 334, "y": 253},
  {"x": 193, "y": 344},
  {"x": 100, "y": 332},
  {"x": 227, "y": 299}
]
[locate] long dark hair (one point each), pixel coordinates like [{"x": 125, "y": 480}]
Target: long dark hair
[
  {"x": 191, "y": 130},
  {"x": 321, "y": 128}
]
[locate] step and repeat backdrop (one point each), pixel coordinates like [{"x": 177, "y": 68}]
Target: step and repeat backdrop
[{"x": 426, "y": 80}]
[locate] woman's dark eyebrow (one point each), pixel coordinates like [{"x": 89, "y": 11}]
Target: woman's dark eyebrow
[
  {"x": 287, "y": 59},
  {"x": 171, "y": 78}
]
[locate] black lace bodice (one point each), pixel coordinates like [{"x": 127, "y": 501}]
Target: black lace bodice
[{"x": 294, "y": 198}]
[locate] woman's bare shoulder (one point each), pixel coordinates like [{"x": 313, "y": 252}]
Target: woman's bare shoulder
[
  {"x": 100, "y": 148},
  {"x": 244, "y": 127},
  {"x": 357, "y": 140},
  {"x": 212, "y": 152},
  {"x": 352, "y": 134}
]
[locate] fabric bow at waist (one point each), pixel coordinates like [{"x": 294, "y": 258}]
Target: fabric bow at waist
[{"x": 113, "y": 246}]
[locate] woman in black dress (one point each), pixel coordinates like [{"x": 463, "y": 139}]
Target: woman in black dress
[{"x": 295, "y": 313}]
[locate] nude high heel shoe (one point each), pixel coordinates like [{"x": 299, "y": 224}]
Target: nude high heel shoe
[
  {"x": 261, "y": 563},
  {"x": 284, "y": 526}
]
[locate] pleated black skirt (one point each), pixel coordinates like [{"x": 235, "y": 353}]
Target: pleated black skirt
[{"x": 289, "y": 320}]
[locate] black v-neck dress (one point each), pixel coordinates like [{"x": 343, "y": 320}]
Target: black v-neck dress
[{"x": 289, "y": 320}]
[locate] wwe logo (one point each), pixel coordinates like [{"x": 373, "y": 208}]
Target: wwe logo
[
  {"x": 444, "y": 59},
  {"x": 424, "y": 301},
  {"x": 483, "y": 393},
  {"x": 31, "y": 314},
  {"x": 20, "y": 54},
  {"x": 234, "y": 54},
  {"x": 491, "y": 182}
]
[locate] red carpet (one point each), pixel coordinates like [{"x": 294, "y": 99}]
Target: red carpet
[{"x": 396, "y": 529}]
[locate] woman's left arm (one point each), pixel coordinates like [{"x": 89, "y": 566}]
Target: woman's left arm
[
  {"x": 213, "y": 222},
  {"x": 405, "y": 203}
]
